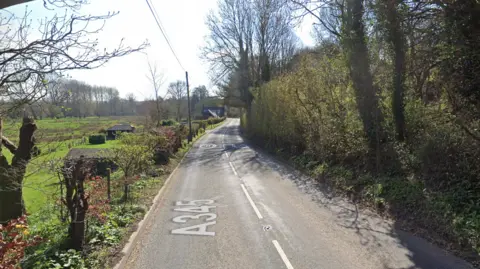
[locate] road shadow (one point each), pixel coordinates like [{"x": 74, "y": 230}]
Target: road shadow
[{"x": 373, "y": 231}]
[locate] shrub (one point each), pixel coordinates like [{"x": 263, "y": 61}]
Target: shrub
[
  {"x": 181, "y": 132},
  {"x": 216, "y": 120},
  {"x": 169, "y": 122},
  {"x": 96, "y": 139},
  {"x": 163, "y": 138},
  {"x": 98, "y": 204},
  {"x": 210, "y": 121},
  {"x": 14, "y": 239},
  {"x": 195, "y": 128},
  {"x": 202, "y": 123},
  {"x": 133, "y": 156},
  {"x": 63, "y": 259}
]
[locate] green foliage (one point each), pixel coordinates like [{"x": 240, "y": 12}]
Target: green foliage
[
  {"x": 134, "y": 155},
  {"x": 169, "y": 122},
  {"x": 69, "y": 259},
  {"x": 195, "y": 128},
  {"x": 310, "y": 115},
  {"x": 97, "y": 139},
  {"x": 202, "y": 123},
  {"x": 311, "y": 109},
  {"x": 108, "y": 233}
]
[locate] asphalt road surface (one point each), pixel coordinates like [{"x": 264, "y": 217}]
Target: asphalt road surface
[{"x": 230, "y": 206}]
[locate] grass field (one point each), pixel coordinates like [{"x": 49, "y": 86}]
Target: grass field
[
  {"x": 55, "y": 137},
  {"x": 54, "y": 130}
]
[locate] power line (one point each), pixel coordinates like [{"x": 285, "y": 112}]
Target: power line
[
  {"x": 163, "y": 33},
  {"x": 160, "y": 21}
]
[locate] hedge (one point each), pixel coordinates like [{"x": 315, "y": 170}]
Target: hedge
[
  {"x": 211, "y": 121},
  {"x": 96, "y": 139}
]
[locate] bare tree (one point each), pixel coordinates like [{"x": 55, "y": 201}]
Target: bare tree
[
  {"x": 64, "y": 44},
  {"x": 178, "y": 91},
  {"x": 328, "y": 14},
  {"x": 200, "y": 92},
  {"x": 73, "y": 4},
  {"x": 249, "y": 41},
  {"x": 157, "y": 78},
  {"x": 273, "y": 30},
  {"x": 132, "y": 102},
  {"x": 230, "y": 43}
]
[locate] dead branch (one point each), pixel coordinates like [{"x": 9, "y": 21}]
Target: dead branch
[{"x": 9, "y": 145}]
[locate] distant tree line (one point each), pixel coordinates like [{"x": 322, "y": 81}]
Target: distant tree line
[{"x": 73, "y": 98}]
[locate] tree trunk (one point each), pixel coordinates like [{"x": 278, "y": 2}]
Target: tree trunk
[
  {"x": 11, "y": 176},
  {"x": 74, "y": 175},
  {"x": 80, "y": 206},
  {"x": 179, "y": 109},
  {"x": 158, "y": 111},
  {"x": 396, "y": 37},
  {"x": 11, "y": 202},
  {"x": 359, "y": 65}
]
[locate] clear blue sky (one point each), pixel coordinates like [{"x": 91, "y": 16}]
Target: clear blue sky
[{"x": 183, "y": 21}]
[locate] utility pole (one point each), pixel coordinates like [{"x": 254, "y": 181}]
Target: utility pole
[{"x": 189, "y": 117}]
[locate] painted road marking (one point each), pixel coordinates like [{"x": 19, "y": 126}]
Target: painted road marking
[
  {"x": 183, "y": 218},
  {"x": 233, "y": 168},
  {"x": 208, "y": 146},
  {"x": 282, "y": 254},
  {"x": 195, "y": 206},
  {"x": 199, "y": 209},
  {"x": 226, "y": 154},
  {"x": 200, "y": 229},
  {"x": 251, "y": 202},
  {"x": 195, "y": 202}
]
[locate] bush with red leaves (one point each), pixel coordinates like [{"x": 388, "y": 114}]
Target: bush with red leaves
[
  {"x": 14, "y": 239},
  {"x": 98, "y": 204}
]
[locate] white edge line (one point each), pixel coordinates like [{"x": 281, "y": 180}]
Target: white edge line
[
  {"x": 282, "y": 254},
  {"x": 259, "y": 215},
  {"x": 233, "y": 168},
  {"x": 226, "y": 154}
]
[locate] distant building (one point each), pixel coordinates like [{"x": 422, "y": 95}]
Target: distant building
[
  {"x": 213, "y": 111},
  {"x": 119, "y": 128}
]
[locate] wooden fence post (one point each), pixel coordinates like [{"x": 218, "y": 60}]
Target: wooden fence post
[{"x": 109, "y": 171}]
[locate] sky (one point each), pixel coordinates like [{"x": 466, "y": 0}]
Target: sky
[{"x": 184, "y": 23}]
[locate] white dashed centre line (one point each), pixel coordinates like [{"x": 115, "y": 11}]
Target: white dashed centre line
[
  {"x": 282, "y": 254},
  {"x": 259, "y": 215},
  {"x": 233, "y": 168}
]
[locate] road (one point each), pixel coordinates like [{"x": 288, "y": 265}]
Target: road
[{"x": 230, "y": 206}]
